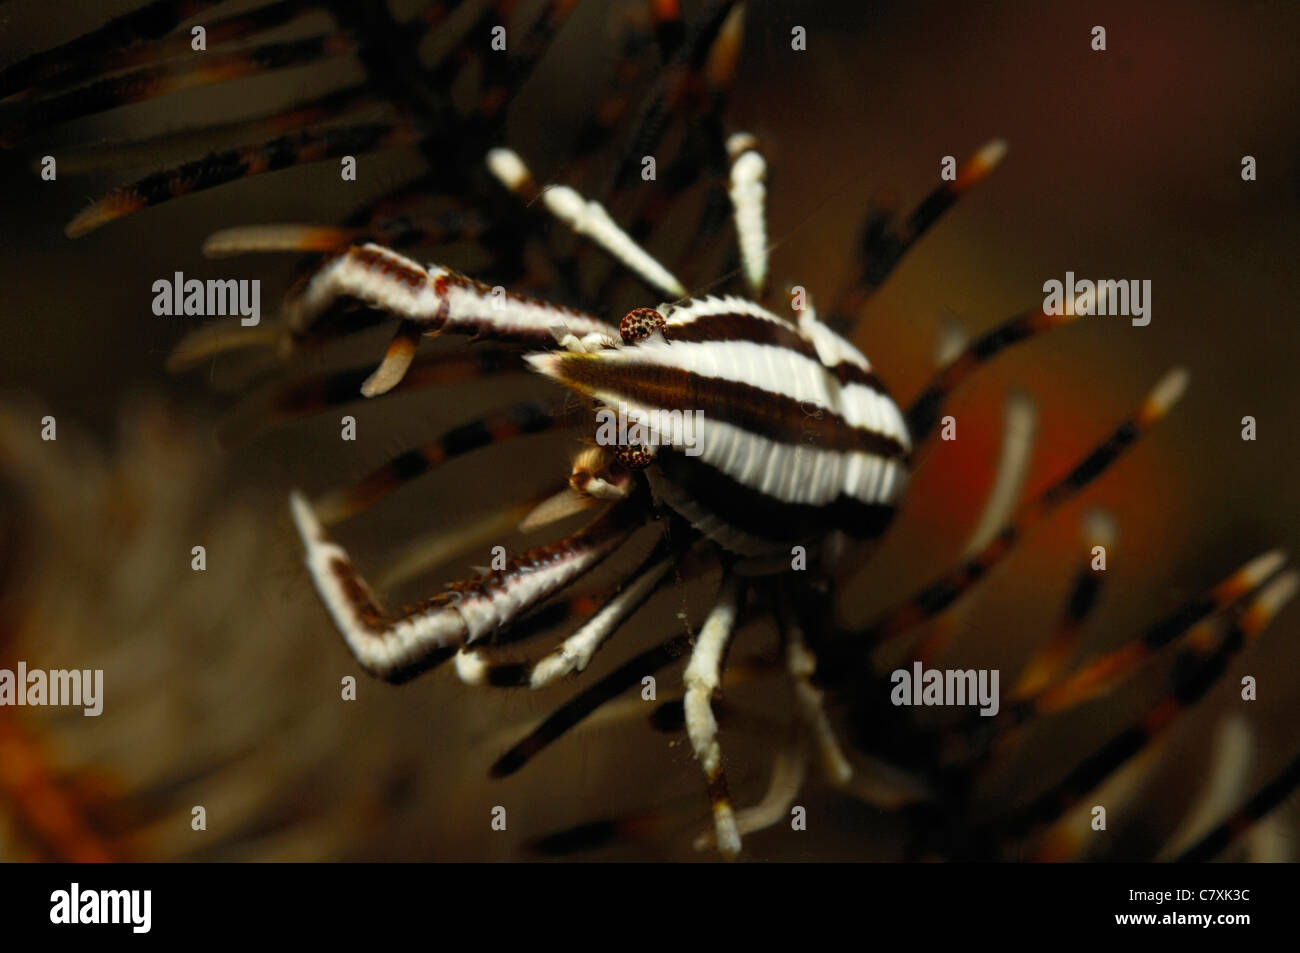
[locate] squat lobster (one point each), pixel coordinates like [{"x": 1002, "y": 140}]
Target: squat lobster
[
  {"x": 801, "y": 443},
  {"x": 757, "y": 488}
]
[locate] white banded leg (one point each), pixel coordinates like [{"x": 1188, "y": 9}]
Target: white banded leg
[
  {"x": 801, "y": 664},
  {"x": 475, "y": 666},
  {"x": 398, "y": 647},
  {"x": 748, "y": 195},
  {"x": 789, "y": 766},
  {"x": 702, "y": 677},
  {"x": 584, "y": 217},
  {"x": 431, "y": 300},
  {"x": 875, "y": 782}
]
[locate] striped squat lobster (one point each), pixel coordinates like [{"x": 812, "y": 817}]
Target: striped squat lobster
[
  {"x": 800, "y": 445},
  {"x": 800, "y": 449}
]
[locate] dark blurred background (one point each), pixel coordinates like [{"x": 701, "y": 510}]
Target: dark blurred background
[{"x": 1122, "y": 164}]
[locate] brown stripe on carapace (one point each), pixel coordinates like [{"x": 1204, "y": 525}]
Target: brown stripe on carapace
[
  {"x": 739, "y": 326},
  {"x": 762, "y": 412}
]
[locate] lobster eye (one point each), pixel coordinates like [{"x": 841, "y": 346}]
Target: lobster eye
[
  {"x": 634, "y": 458},
  {"x": 639, "y": 324}
]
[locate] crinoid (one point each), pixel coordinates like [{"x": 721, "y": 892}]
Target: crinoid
[{"x": 758, "y": 443}]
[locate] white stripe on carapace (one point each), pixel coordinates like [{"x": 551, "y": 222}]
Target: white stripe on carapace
[
  {"x": 831, "y": 347},
  {"x": 726, "y": 304},
  {"x": 772, "y": 368}
]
